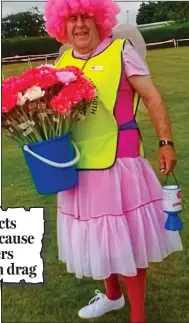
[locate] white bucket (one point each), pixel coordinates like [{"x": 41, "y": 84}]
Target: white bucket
[{"x": 172, "y": 198}]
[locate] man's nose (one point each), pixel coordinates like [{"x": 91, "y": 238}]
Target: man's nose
[{"x": 80, "y": 21}]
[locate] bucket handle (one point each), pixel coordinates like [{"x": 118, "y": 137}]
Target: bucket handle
[
  {"x": 54, "y": 164},
  {"x": 173, "y": 177}
]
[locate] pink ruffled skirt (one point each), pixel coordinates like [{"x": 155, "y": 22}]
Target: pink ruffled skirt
[{"x": 113, "y": 221}]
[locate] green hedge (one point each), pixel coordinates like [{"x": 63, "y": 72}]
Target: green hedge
[
  {"x": 46, "y": 45},
  {"x": 173, "y": 31},
  {"x": 29, "y": 46}
]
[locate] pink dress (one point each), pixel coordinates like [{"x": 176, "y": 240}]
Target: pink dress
[{"x": 113, "y": 222}]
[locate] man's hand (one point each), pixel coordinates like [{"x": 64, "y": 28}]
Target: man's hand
[{"x": 167, "y": 159}]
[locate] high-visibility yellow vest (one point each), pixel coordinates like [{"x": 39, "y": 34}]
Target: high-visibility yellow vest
[{"x": 96, "y": 136}]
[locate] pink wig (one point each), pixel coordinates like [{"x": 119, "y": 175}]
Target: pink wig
[{"x": 56, "y": 12}]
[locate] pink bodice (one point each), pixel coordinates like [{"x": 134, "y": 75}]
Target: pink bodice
[{"x": 129, "y": 140}]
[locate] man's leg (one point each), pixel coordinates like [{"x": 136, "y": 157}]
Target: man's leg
[
  {"x": 136, "y": 290},
  {"x": 113, "y": 290}
]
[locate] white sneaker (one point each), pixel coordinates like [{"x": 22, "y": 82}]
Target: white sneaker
[{"x": 100, "y": 305}]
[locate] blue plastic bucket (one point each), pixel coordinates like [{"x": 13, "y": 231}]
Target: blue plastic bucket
[{"x": 52, "y": 164}]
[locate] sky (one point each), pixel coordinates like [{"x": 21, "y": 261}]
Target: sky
[{"x": 128, "y": 12}]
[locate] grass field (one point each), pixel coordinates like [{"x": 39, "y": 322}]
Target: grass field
[{"x": 61, "y": 295}]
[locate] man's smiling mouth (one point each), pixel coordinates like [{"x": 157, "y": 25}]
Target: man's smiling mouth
[{"x": 81, "y": 34}]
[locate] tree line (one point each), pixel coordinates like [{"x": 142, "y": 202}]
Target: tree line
[
  {"x": 23, "y": 24},
  {"x": 150, "y": 12},
  {"x": 31, "y": 23}
]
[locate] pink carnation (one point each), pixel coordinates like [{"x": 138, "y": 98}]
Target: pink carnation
[
  {"x": 87, "y": 89},
  {"x": 13, "y": 83},
  {"x": 72, "y": 92},
  {"x": 75, "y": 70},
  {"x": 10, "y": 89},
  {"x": 66, "y": 77},
  {"x": 61, "y": 104},
  {"x": 43, "y": 77},
  {"x": 9, "y": 100}
]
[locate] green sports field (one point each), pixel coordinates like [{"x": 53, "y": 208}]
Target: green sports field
[{"x": 62, "y": 295}]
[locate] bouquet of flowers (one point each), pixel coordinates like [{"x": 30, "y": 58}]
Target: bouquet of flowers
[
  {"x": 38, "y": 110},
  {"x": 44, "y": 102}
]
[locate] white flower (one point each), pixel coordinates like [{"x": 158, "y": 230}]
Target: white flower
[
  {"x": 21, "y": 99},
  {"x": 34, "y": 93},
  {"x": 66, "y": 77}
]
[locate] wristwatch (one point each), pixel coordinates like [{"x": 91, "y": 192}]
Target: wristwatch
[{"x": 165, "y": 142}]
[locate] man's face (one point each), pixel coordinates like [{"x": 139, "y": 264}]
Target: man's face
[{"x": 82, "y": 32}]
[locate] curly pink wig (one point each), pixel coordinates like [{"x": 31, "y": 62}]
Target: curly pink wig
[{"x": 56, "y": 12}]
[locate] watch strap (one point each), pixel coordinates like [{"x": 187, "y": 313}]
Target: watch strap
[{"x": 165, "y": 142}]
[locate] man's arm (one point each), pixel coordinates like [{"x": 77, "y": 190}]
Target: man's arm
[{"x": 154, "y": 103}]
